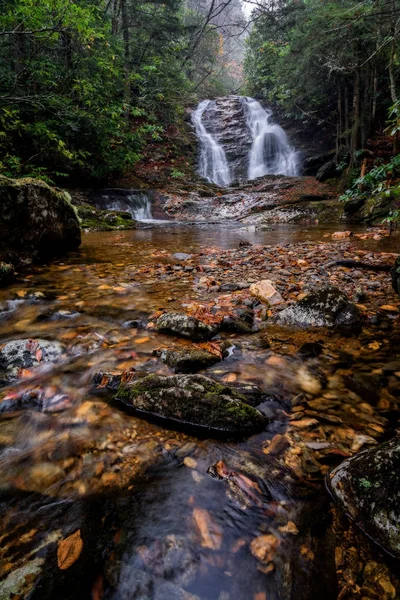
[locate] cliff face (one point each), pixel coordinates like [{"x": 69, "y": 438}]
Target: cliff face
[{"x": 226, "y": 120}]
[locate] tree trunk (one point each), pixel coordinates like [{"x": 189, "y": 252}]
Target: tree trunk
[
  {"x": 355, "y": 132},
  {"x": 125, "y": 37}
]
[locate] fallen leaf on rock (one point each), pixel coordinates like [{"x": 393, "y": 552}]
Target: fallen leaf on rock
[
  {"x": 290, "y": 527},
  {"x": 211, "y": 347},
  {"x": 210, "y": 532},
  {"x": 69, "y": 550},
  {"x": 389, "y": 308}
]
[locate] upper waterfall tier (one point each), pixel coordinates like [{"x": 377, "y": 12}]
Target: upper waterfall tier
[{"x": 239, "y": 141}]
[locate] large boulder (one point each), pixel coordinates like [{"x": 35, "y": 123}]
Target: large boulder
[
  {"x": 327, "y": 307},
  {"x": 179, "y": 324},
  {"x": 36, "y": 221},
  {"x": 395, "y": 273},
  {"x": 194, "y": 400},
  {"x": 367, "y": 487}
]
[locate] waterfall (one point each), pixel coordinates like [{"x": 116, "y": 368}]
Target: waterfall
[
  {"x": 213, "y": 164},
  {"x": 271, "y": 152},
  {"x": 133, "y": 201}
]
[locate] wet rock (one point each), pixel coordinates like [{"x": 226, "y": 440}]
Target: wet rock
[
  {"x": 241, "y": 320},
  {"x": 265, "y": 292},
  {"x": 194, "y": 400},
  {"x": 26, "y": 354},
  {"x": 310, "y": 350},
  {"x": 180, "y": 324},
  {"x": 170, "y": 558},
  {"x": 190, "y": 360},
  {"x": 170, "y": 591},
  {"x": 36, "y": 221},
  {"x": 182, "y": 256},
  {"x": 327, "y": 307},
  {"x": 395, "y": 274},
  {"x": 367, "y": 487},
  {"x": 7, "y": 274}
]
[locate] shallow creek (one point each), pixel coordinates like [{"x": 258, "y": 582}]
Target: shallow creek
[{"x": 154, "y": 521}]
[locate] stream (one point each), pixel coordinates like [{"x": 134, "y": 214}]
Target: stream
[{"x": 156, "y": 515}]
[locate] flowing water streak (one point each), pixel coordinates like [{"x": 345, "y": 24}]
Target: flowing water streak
[
  {"x": 213, "y": 164},
  {"x": 271, "y": 152},
  {"x": 131, "y": 201}
]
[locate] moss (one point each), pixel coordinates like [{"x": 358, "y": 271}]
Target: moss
[
  {"x": 103, "y": 220},
  {"x": 193, "y": 399}
]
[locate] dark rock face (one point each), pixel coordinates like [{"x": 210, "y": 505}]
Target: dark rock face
[
  {"x": 327, "y": 307},
  {"x": 190, "y": 360},
  {"x": 188, "y": 327},
  {"x": 36, "y": 221},
  {"x": 226, "y": 119},
  {"x": 25, "y": 354},
  {"x": 327, "y": 170},
  {"x": 194, "y": 400},
  {"x": 367, "y": 486},
  {"x": 395, "y": 273}
]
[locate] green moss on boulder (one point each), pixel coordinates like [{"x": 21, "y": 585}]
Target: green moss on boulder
[
  {"x": 36, "y": 221},
  {"x": 194, "y": 400}
]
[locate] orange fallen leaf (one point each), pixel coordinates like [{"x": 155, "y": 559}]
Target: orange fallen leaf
[
  {"x": 229, "y": 378},
  {"x": 210, "y": 532},
  {"x": 389, "y": 308},
  {"x": 69, "y": 550},
  {"x": 141, "y": 340}
]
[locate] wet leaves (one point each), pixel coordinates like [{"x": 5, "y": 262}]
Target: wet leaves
[
  {"x": 210, "y": 533},
  {"x": 69, "y": 550}
]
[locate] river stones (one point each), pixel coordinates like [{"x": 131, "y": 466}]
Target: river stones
[
  {"x": 26, "y": 354},
  {"x": 327, "y": 307},
  {"x": 265, "y": 292},
  {"x": 367, "y": 487},
  {"x": 195, "y": 400},
  {"x": 190, "y": 360},
  {"x": 182, "y": 325}
]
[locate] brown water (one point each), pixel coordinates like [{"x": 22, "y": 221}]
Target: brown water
[{"x": 154, "y": 523}]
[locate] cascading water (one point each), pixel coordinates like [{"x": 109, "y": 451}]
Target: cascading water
[
  {"x": 133, "y": 201},
  {"x": 213, "y": 164},
  {"x": 238, "y": 141},
  {"x": 271, "y": 152}
]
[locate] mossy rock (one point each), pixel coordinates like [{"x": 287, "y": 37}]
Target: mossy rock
[
  {"x": 36, "y": 221},
  {"x": 104, "y": 220},
  {"x": 367, "y": 487},
  {"x": 193, "y": 400},
  {"x": 326, "y": 307}
]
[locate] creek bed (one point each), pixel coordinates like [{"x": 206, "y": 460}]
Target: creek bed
[{"x": 161, "y": 514}]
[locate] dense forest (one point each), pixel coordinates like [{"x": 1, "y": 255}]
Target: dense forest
[{"x": 85, "y": 85}]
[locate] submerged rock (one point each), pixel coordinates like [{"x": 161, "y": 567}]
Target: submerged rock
[
  {"x": 327, "y": 307},
  {"x": 25, "y": 354},
  {"x": 190, "y": 360},
  {"x": 194, "y": 400},
  {"x": 367, "y": 486},
  {"x": 180, "y": 324},
  {"x": 36, "y": 220}
]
